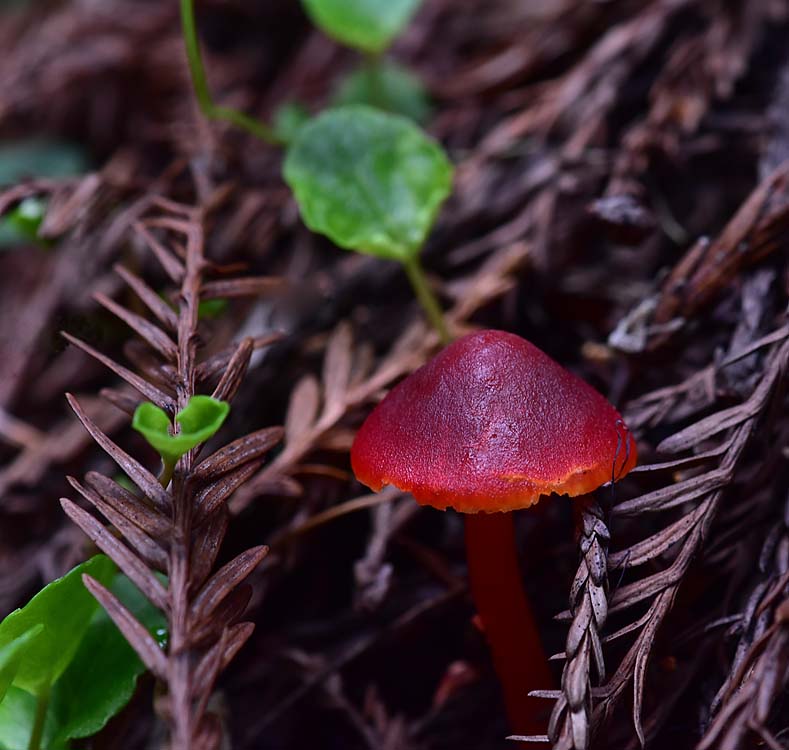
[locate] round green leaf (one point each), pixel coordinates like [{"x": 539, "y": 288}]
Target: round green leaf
[
  {"x": 386, "y": 86},
  {"x": 201, "y": 418},
  {"x": 368, "y": 25},
  {"x": 370, "y": 181}
]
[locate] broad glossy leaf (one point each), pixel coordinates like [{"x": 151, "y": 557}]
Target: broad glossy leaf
[
  {"x": 11, "y": 656},
  {"x": 370, "y": 181},
  {"x": 17, "y": 714},
  {"x": 388, "y": 87},
  {"x": 102, "y": 676},
  {"x": 368, "y": 25},
  {"x": 201, "y": 418},
  {"x": 64, "y": 608}
]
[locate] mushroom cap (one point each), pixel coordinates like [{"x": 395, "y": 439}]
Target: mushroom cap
[{"x": 491, "y": 424}]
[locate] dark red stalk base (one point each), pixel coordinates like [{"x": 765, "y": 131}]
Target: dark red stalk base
[{"x": 510, "y": 627}]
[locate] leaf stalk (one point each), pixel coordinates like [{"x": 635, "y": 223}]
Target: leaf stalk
[{"x": 427, "y": 299}]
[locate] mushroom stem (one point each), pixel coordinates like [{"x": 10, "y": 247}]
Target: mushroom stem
[{"x": 507, "y": 619}]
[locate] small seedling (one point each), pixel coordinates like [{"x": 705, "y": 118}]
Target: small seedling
[
  {"x": 65, "y": 669},
  {"x": 369, "y": 180},
  {"x": 197, "y": 422},
  {"x": 373, "y": 183}
]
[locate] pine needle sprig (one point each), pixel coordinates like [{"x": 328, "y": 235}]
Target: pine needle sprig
[{"x": 175, "y": 528}]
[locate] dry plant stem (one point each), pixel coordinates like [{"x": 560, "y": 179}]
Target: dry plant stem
[
  {"x": 571, "y": 719},
  {"x": 181, "y": 671},
  {"x": 509, "y": 625}
]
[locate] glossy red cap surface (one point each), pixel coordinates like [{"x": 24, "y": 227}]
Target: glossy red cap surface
[{"x": 491, "y": 424}]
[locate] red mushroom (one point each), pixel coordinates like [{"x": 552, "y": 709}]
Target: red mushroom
[{"x": 491, "y": 424}]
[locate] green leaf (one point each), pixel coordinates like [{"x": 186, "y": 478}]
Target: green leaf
[
  {"x": 370, "y": 181},
  {"x": 368, "y": 25},
  {"x": 11, "y": 655},
  {"x": 288, "y": 120},
  {"x": 201, "y": 418},
  {"x": 103, "y": 674},
  {"x": 386, "y": 86},
  {"x": 17, "y": 716},
  {"x": 20, "y": 225},
  {"x": 64, "y": 608},
  {"x": 212, "y": 308},
  {"x": 39, "y": 157}
]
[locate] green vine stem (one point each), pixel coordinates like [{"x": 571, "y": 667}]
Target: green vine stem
[
  {"x": 373, "y": 69},
  {"x": 200, "y": 83},
  {"x": 426, "y": 298}
]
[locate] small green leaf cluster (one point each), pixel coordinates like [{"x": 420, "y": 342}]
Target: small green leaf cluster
[
  {"x": 198, "y": 421},
  {"x": 362, "y": 172},
  {"x": 370, "y": 27},
  {"x": 65, "y": 669},
  {"x": 370, "y": 180}
]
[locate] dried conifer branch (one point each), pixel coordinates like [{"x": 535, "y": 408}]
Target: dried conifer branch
[
  {"x": 761, "y": 678},
  {"x": 760, "y": 669},
  {"x": 570, "y": 726},
  {"x": 176, "y": 530},
  {"x": 661, "y": 588}
]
